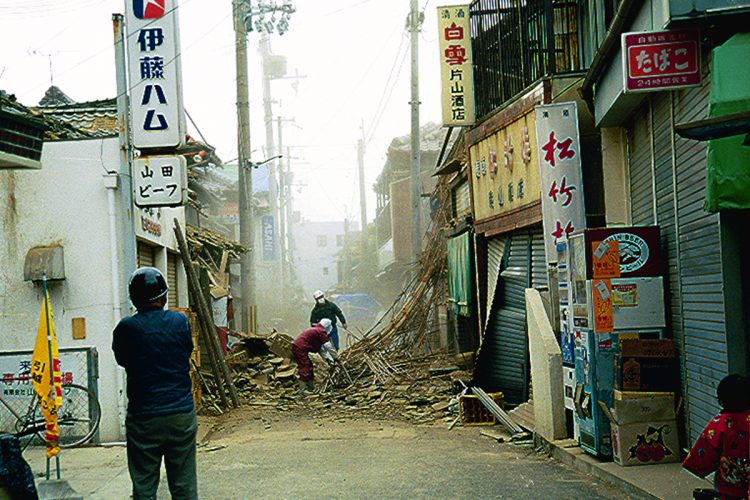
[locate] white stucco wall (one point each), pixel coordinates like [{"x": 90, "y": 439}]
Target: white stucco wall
[
  {"x": 310, "y": 259},
  {"x": 66, "y": 202}
]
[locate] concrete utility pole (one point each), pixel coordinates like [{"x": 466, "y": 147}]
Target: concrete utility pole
[
  {"x": 416, "y": 160},
  {"x": 362, "y": 199},
  {"x": 282, "y": 217},
  {"x": 247, "y": 233},
  {"x": 271, "y": 151}
]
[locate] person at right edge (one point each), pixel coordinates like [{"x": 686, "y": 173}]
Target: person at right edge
[
  {"x": 154, "y": 346},
  {"x": 723, "y": 446},
  {"x": 324, "y": 308}
]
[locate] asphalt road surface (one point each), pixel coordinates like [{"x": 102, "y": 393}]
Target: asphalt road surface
[{"x": 265, "y": 454}]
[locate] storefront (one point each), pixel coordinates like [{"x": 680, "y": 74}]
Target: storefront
[
  {"x": 509, "y": 255},
  {"x": 664, "y": 184}
]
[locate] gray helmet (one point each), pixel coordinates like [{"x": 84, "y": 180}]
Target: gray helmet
[{"x": 147, "y": 284}]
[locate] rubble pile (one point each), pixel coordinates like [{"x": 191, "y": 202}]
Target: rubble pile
[{"x": 419, "y": 392}]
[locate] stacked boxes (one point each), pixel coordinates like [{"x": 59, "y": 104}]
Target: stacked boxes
[{"x": 644, "y": 428}]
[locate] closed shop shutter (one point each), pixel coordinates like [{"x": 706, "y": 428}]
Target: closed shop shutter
[
  {"x": 495, "y": 250},
  {"x": 146, "y": 255},
  {"x": 667, "y": 187},
  {"x": 538, "y": 260},
  {"x": 704, "y": 322},
  {"x": 641, "y": 180},
  {"x": 172, "y": 279},
  {"x": 503, "y": 360}
]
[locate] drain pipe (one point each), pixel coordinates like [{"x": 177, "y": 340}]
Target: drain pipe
[{"x": 111, "y": 183}]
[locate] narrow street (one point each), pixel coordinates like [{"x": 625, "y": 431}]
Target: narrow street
[{"x": 255, "y": 453}]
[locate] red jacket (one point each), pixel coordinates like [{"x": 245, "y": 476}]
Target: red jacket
[
  {"x": 311, "y": 339},
  {"x": 723, "y": 447}
]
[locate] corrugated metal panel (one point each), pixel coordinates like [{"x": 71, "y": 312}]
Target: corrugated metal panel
[
  {"x": 504, "y": 356},
  {"x": 146, "y": 255},
  {"x": 463, "y": 198},
  {"x": 704, "y": 323},
  {"x": 495, "y": 251},
  {"x": 538, "y": 260},
  {"x": 172, "y": 279},
  {"x": 690, "y": 240},
  {"x": 639, "y": 154}
]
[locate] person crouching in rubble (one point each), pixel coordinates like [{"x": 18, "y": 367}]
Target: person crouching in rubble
[{"x": 315, "y": 339}]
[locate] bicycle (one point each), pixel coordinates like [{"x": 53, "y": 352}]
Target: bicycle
[{"x": 78, "y": 418}]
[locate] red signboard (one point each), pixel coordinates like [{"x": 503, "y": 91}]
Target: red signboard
[{"x": 660, "y": 60}]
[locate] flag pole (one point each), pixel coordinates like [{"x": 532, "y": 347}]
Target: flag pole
[{"x": 52, "y": 393}]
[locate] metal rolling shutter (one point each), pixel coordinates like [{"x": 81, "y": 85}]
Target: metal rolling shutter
[
  {"x": 146, "y": 255},
  {"x": 639, "y": 154},
  {"x": 495, "y": 251},
  {"x": 172, "y": 279},
  {"x": 704, "y": 322},
  {"x": 505, "y": 353},
  {"x": 538, "y": 260}
]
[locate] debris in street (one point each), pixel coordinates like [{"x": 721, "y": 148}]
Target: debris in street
[{"x": 495, "y": 409}]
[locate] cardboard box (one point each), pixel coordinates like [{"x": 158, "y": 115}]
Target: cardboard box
[
  {"x": 646, "y": 365},
  {"x": 644, "y": 430},
  {"x": 645, "y": 443}
]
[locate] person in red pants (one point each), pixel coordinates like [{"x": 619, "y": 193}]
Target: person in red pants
[{"x": 315, "y": 339}]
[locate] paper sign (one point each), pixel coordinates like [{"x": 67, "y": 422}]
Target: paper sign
[
  {"x": 625, "y": 295},
  {"x": 606, "y": 259},
  {"x": 603, "y": 320}
]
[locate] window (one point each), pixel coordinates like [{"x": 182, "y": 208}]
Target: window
[
  {"x": 322, "y": 240},
  {"x": 325, "y": 271},
  {"x": 339, "y": 240}
]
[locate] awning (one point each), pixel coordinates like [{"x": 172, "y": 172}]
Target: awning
[
  {"x": 728, "y": 176},
  {"x": 459, "y": 274}
]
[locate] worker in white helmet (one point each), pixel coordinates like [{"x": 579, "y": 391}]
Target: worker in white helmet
[{"x": 326, "y": 309}]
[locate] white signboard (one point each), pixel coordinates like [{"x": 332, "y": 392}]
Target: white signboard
[
  {"x": 154, "y": 73},
  {"x": 560, "y": 173},
  {"x": 456, "y": 73},
  {"x": 160, "y": 181}
]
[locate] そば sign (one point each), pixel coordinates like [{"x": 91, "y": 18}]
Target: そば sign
[{"x": 660, "y": 60}]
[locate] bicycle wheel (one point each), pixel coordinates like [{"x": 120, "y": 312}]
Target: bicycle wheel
[{"x": 79, "y": 416}]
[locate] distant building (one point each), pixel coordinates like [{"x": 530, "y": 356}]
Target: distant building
[{"x": 316, "y": 249}]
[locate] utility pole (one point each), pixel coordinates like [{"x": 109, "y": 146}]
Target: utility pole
[
  {"x": 362, "y": 200},
  {"x": 416, "y": 160},
  {"x": 282, "y": 216},
  {"x": 247, "y": 233}
]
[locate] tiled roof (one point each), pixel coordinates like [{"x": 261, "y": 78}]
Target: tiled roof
[
  {"x": 95, "y": 118},
  {"x": 54, "y": 128}
]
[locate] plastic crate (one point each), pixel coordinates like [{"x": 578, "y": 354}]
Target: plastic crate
[{"x": 472, "y": 412}]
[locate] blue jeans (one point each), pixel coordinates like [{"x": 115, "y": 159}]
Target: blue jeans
[{"x": 335, "y": 337}]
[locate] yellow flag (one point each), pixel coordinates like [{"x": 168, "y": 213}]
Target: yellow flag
[{"x": 40, "y": 375}]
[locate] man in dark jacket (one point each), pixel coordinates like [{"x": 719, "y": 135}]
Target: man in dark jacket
[
  {"x": 154, "y": 347},
  {"x": 325, "y": 309}
]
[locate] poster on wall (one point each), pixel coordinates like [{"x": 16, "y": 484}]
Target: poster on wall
[
  {"x": 563, "y": 209},
  {"x": 456, "y": 73}
]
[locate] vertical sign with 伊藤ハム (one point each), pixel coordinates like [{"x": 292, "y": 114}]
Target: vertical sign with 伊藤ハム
[
  {"x": 563, "y": 210},
  {"x": 455, "y": 65},
  {"x": 155, "y": 85}
]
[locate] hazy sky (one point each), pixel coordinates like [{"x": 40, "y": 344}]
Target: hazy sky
[{"x": 353, "y": 54}]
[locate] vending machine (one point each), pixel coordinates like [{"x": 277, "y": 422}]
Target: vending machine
[{"x": 616, "y": 292}]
